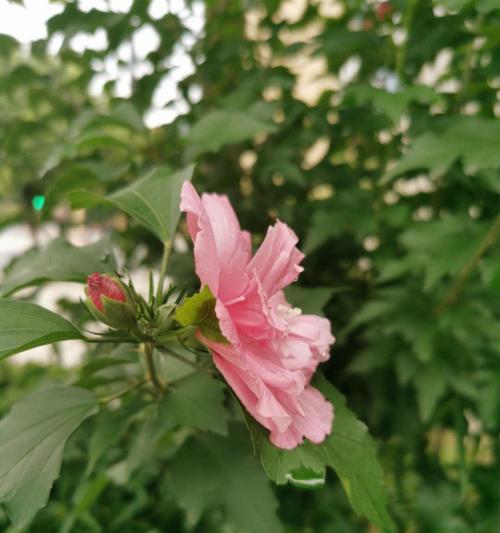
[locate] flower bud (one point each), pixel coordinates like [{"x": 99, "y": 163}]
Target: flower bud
[
  {"x": 384, "y": 10},
  {"x": 110, "y": 302}
]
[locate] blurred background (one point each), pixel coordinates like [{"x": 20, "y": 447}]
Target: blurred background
[{"x": 370, "y": 127}]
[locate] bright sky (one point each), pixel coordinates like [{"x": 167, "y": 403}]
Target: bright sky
[{"x": 28, "y": 23}]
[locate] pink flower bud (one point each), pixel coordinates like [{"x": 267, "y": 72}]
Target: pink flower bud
[
  {"x": 384, "y": 10},
  {"x": 99, "y": 285}
]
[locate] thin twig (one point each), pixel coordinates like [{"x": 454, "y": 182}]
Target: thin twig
[
  {"x": 148, "y": 354},
  {"x": 457, "y": 287},
  {"x": 163, "y": 270},
  {"x": 112, "y": 339},
  {"x": 184, "y": 360},
  {"x": 132, "y": 387}
]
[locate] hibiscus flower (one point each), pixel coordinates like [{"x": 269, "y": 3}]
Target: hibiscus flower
[{"x": 273, "y": 349}]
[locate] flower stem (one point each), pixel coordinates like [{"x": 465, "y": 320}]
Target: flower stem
[
  {"x": 167, "y": 249},
  {"x": 132, "y": 387},
  {"x": 150, "y": 363},
  {"x": 184, "y": 360},
  {"x": 401, "y": 52},
  {"x": 111, "y": 339}
]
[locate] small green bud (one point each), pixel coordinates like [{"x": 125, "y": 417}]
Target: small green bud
[{"x": 109, "y": 300}]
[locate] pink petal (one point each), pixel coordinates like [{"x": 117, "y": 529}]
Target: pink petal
[
  {"x": 221, "y": 249},
  {"x": 315, "y": 331},
  {"x": 256, "y": 398},
  {"x": 276, "y": 262},
  {"x": 314, "y": 424}
]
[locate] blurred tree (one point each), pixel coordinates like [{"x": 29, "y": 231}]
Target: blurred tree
[{"x": 372, "y": 129}]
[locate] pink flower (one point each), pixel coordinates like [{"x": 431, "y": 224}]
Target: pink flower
[
  {"x": 99, "y": 286},
  {"x": 273, "y": 349}
]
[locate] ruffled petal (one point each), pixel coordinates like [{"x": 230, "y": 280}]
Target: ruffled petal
[
  {"x": 315, "y": 331},
  {"x": 252, "y": 393},
  {"x": 314, "y": 423},
  {"x": 276, "y": 262},
  {"x": 221, "y": 249}
]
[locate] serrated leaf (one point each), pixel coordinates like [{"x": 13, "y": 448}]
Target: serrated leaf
[
  {"x": 443, "y": 246},
  {"x": 197, "y": 401},
  {"x": 153, "y": 201},
  {"x": 109, "y": 427},
  {"x": 221, "y": 127},
  {"x": 349, "y": 450},
  {"x": 199, "y": 310},
  {"x": 472, "y": 139},
  {"x": 59, "y": 261},
  {"x": 211, "y": 471},
  {"x": 25, "y": 325},
  {"x": 32, "y": 439}
]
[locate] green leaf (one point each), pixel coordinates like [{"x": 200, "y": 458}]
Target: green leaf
[
  {"x": 32, "y": 439},
  {"x": 311, "y": 300},
  {"x": 442, "y": 246},
  {"x": 349, "y": 450},
  {"x": 85, "y": 497},
  {"x": 153, "y": 201},
  {"x": 109, "y": 427},
  {"x": 430, "y": 384},
  {"x": 393, "y": 104},
  {"x": 472, "y": 139},
  {"x": 486, "y": 6},
  {"x": 211, "y": 471},
  {"x": 146, "y": 438},
  {"x": 199, "y": 310},
  {"x": 221, "y": 127},
  {"x": 197, "y": 401},
  {"x": 99, "y": 140},
  {"x": 25, "y": 325},
  {"x": 59, "y": 261}
]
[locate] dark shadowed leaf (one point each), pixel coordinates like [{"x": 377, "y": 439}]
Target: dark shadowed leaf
[
  {"x": 211, "y": 471},
  {"x": 197, "y": 401}
]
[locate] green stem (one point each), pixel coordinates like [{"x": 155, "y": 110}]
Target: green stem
[
  {"x": 184, "y": 360},
  {"x": 112, "y": 339},
  {"x": 487, "y": 242},
  {"x": 460, "y": 431},
  {"x": 132, "y": 387},
  {"x": 467, "y": 68},
  {"x": 150, "y": 363},
  {"x": 401, "y": 52},
  {"x": 167, "y": 249}
]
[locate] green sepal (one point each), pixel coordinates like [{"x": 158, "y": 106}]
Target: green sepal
[
  {"x": 199, "y": 310},
  {"x": 116, "y": 314}
]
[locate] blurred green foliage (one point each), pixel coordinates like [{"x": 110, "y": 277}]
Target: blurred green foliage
[{"x": 372, "y": 129}]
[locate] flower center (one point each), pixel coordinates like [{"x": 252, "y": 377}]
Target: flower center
[{"x": 287, "y": 311}]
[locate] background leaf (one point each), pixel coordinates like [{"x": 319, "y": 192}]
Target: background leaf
[
  {"x": 153, "y": 200},
  {"x": 349, "y": 450},
  {"x": 25, "y": 325},
  {"x": 59, "y": 261},
  {"x": 213, "y": 471},
  {"x": 196, "y": 401},
  {"x": 221, "y": 127}
]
